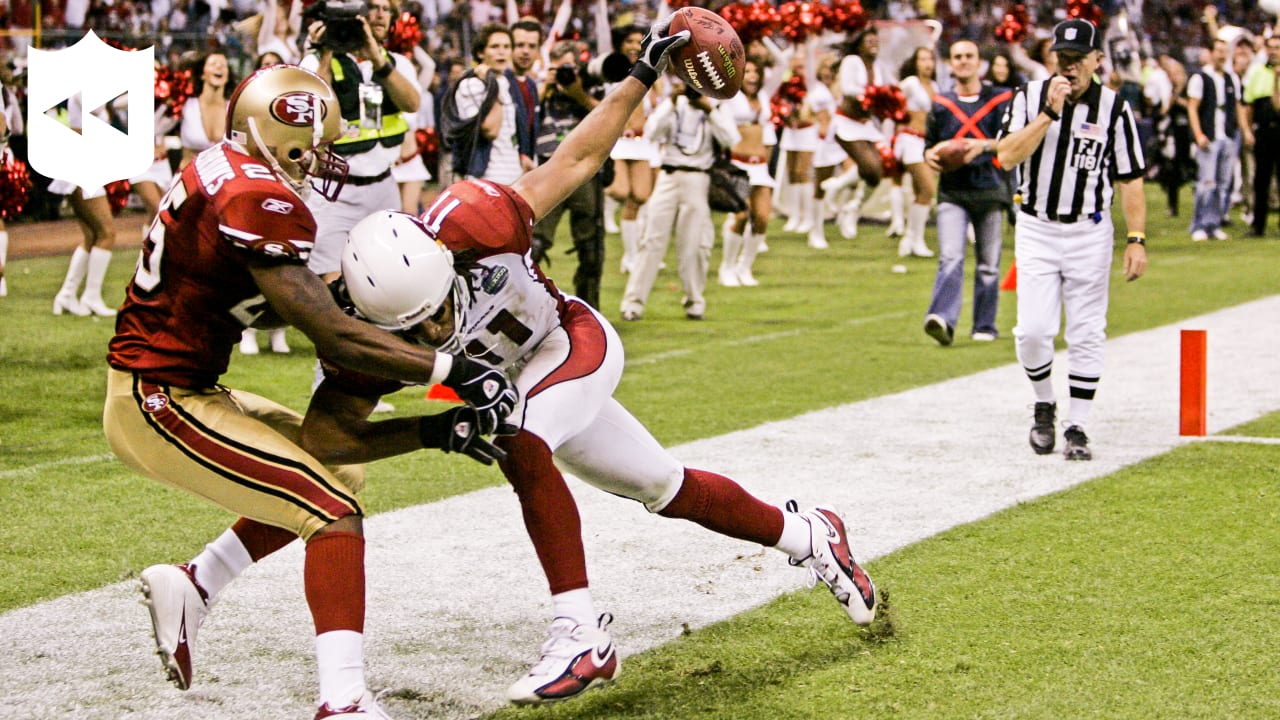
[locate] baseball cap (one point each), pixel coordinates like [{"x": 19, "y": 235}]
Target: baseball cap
[{"x": 1075, "y": 35}]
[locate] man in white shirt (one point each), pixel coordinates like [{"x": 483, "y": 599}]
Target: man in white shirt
[
  {"x": 685, "y": 125},
  {"x": 1213, "y": 109}
]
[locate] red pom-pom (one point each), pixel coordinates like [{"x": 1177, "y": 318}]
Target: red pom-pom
[
  {"x": 751, "y": 21},
  {"x": 15, "y": 186},
  {"x": 1085, "y": 10},
  {"x": 892, "y": 168},
  {"x": 429, "y": 147},
  {"x": 118, "y": 195},
  {"x": 1013, "y": 28},
  {"x": 405, "y": 34},
  {"x": 172, "y": 89},
  {"x": 846, "y": 16},
  {"x": 886, "y": 102},
  {"x": 799, "y": 19}
]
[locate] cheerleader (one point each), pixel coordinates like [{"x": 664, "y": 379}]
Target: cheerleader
[
  {"x": 744, "y": 232},
  {"x": 91, "y": 258},
  {"x": 918, "y": 75},
  {"x": 855, "y": 131}
]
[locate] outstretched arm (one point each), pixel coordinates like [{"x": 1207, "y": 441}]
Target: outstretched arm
[{"x": 586, "y": 148}]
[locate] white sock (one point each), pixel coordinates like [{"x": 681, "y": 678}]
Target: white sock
[
  {"x": 917, "y": 219},
  {"x": 897, "y": 205},
  {"x": 220, "y": 562},
  {"x": 1043, "y": 390},
  {"x": 576, "y": 605},
  {"x": 1078, "y": 411},
  {"x": 340, "y": 661},
  {"x": 99, "y": 259},
  {"x": 75, "y": 271},
  {"x": 796, "y": 538}
]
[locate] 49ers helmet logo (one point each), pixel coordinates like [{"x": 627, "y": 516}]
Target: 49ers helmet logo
[{"x": 296, "y": 109}]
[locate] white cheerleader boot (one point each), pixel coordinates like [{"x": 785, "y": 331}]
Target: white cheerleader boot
[
  {"x": 897, "y": 209},
  {"x": 750, "y": 248},
  {"x": 732, "y": 251},
  {"x": 917, "y": 218}
]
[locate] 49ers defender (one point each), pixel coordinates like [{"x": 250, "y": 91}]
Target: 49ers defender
[{"x": 230, "y": 244}]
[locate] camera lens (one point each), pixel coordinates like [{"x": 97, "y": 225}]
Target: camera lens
[{"x": 565, "y": 75}]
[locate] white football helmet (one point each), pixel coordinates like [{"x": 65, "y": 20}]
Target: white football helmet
[
  {"x": 397, "y": 274},
  {"x": 289, "y": 117}
]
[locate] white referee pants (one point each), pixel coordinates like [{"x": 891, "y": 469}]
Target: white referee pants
[
  {"x": 679, "y": 205},
  {"x": 1063, "y": 266}
]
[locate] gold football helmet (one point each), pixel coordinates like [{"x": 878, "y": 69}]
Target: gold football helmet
[{"x": 290, "y": 117}]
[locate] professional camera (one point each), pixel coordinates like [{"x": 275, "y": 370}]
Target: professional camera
[
  {"x": 343, "y": 32},
  {"x": 611, "y": 68}
]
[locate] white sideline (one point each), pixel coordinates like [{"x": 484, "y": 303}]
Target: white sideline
[{"x": 457, "y": 605}]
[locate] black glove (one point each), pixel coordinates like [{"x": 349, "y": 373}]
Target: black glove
[
  {"x": 458, "y": 430},
  {"x": 483, "y": 388},
  {"x": 655, "y": 49}
]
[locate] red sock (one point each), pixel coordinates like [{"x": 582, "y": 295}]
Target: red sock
[
  {"x": 550, "y": 513},
  {"x": 717, "y": 503},
  {"x": 333, "y": 576},
  {"x": 260, "y": 539}
]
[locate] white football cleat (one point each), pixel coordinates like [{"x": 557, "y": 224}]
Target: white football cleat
[
  {"x": 366, "y": 708},
  {"x": 574, "y": 658},
  {"x": 178, "y": 606},
  {"x": 833, "y": 563}
]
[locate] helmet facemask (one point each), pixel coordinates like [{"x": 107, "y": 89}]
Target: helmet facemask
[{"x": 302, "y": 167}]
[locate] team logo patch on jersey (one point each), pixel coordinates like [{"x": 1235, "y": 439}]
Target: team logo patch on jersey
[
  {"x": 155, "y": 402},
  {"x": 296, "y": 108},
  {"x": 494, "y": 279},
  {"x": 277, "y": 206}
]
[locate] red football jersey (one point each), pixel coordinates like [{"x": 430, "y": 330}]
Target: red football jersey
[
  {"x": 192, "y": 293},
  {"x": 482, "y": 216}
]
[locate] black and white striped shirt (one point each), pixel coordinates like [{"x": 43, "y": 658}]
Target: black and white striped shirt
[{"x": 1069, "y": 176}]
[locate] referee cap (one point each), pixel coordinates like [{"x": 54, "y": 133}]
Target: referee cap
[{"x": 1075, "y": 35}]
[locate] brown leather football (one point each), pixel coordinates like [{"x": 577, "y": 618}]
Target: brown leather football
[
  {"x": 951, "y": 154},
  {"x": 712, "y": 61}
]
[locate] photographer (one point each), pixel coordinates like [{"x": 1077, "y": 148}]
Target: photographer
[
  {"x": 375, "y": 90},
  {"x": 686, "y": 126},
  {"x": 569, "y": 94}
]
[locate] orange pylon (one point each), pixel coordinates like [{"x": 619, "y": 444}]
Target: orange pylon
[{"x": 1010, "y": 281}]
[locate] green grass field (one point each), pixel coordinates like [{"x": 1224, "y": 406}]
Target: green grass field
[{"x": 1148, "y": 593}]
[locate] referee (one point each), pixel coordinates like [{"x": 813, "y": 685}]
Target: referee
[{"x": 1069, "y": 138}]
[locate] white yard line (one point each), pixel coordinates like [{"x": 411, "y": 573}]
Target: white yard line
[
  {"x": 32, "y": 470},
  {"x": 458, "y": 607},
  {"x": 1241, "y": 439}
]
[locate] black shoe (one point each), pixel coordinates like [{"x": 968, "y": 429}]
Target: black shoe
[
  {"x": 1077, "y": 444},
  {"x": 938, "y": 329},
  {"x": 1042, "y": 434}
]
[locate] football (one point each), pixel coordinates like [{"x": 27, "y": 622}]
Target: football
[
  {"x": 951, "y": 154},
  {"x": 713, "y": 60}
]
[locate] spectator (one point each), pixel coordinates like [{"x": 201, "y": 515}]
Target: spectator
[
  {"x": 1000, "y": 72},
  {"x": 1173, "y": 131},
  {"x": 1262, "y": 115},
  {"x": 486, "y": 92},
  {"x": 686, "y": 126},
  {"x": 526, "y": 43},
  {"x": 569, "y": 94},
  {"x": 976, "y": 195},
  {"x": 1215, "y": 117}
]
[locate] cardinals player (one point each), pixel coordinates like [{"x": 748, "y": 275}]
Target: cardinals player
[
  {"x": 229, "y": 247},
  {"x": 567, "y": 361}
]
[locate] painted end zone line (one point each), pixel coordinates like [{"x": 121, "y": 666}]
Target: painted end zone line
[
  {"x": 457, "y": 602},
  {"x": 1240, "y": 439}
]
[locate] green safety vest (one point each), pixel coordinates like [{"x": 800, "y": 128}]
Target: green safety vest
[{"x": 346, "y": 85}]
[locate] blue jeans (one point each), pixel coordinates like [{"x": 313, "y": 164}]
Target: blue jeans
[
  {"x": 1213, "y": 183},
  {"x": 948, "y": 286}
]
